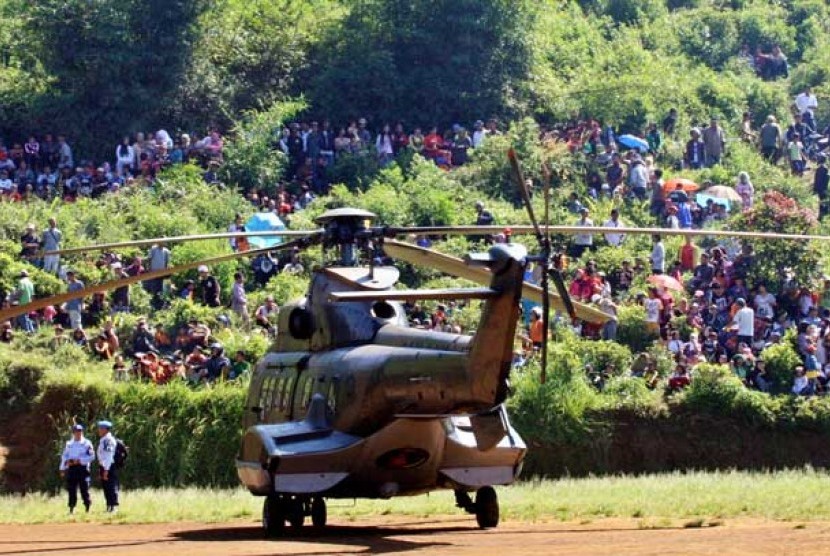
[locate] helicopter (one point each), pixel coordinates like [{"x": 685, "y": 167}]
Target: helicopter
[{"x": 352, "y": 402}]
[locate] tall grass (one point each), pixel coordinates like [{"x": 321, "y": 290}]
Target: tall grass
[{"x": 786, "y": 495}]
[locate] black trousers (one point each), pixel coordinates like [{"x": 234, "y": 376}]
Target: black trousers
[
  {"x": 111, "y": 487},
  {"x": 77, "y": 477}
]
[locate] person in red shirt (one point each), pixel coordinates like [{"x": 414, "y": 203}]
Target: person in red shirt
[
  {"x": 432, "y": 143},
  {"x": 688, "y": 255}
]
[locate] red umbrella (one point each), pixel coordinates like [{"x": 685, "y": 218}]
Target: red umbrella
[{"x": 665, "y": 281}]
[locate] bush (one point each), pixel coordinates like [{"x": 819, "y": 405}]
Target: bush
[
  {"x": 781, "y": 360},
  {"x": 631, "y": 330}
]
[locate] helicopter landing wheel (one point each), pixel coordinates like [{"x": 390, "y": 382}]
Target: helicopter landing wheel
[
  {"x": 273, "y": 516},
  {"x": 319, "y": 515},
  {"x": 487, "y": 508},
  {"x": 295, "y": 513}
]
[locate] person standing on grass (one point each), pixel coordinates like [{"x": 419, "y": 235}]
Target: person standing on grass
[
  {"x": 51, "y": 241},
  {"x": 75, "y": 306},
  {"x": 106, "y": 463},
  {"x": 77, "y": 455},
  {"x": 239, "y": 299}
]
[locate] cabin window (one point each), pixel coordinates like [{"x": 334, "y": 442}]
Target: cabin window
[
  {"x": 265, "y": 392},
  {"x": 307, "y": 390}
]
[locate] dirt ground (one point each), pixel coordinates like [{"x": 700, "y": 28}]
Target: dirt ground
[{"x": 445, "y": 536}]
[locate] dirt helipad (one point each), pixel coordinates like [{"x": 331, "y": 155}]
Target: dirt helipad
[{"x": 452, "y": 536}]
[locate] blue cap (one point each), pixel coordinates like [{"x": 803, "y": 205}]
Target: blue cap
[
  {"x": 104, "y": 424},
  {"x": 77, "y": 427}
]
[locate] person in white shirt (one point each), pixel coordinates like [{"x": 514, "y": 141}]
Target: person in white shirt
[
  {"x": 744, "y": 322},
  {"x": 658, "y": 256},
  {"x": 614, "y": 240},
  {"x": 806, "y": 103},
  {"x": 77, "y": 455},
  {"x": 479, "y": 134},
  {"x": 765, "y": 303},
  {"x": 582, "y": 242},
  {"x": 106, "y": 464}
]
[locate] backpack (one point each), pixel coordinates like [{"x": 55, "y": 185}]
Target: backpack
[{"x": 121, "y": 454}]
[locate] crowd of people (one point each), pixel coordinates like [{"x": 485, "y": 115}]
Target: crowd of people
[
  {"x": 722, "y": 318},
  {"x": 47, "y": 168}
]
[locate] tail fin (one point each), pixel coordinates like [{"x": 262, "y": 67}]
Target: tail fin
[{"x": 491, "y": 353}]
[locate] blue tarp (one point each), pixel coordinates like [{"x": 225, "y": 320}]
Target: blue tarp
[
  {"x": 264, "y": 222},
  {"x": 702, "y": 199}
]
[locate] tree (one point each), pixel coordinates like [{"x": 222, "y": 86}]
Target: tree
[
  {"x": 779, "y": 214},
  {"x": 114, "y": 63},
  {"x": 425, "y": 62}
]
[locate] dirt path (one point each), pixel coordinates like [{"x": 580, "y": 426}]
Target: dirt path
[{"x": 445, "y": 536}]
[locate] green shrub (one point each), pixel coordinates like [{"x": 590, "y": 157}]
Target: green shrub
[
  {"x": 631, "y": 330},
  {"x": 781, "y": 360}
]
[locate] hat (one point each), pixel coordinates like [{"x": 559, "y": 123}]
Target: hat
[
  {"x": 203, "y": 268},
  {"x": 116, "y": 265},
  {"x": 104, "y": 425},
  {"x": 23, "y": 273},
  {"x": 698, "y": 293},
  {"x": 77, "y": 427}
]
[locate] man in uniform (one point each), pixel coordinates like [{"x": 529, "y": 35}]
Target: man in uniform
[
  {"x": 106, "y": 464},
  {"x": 77, "y": 455}
]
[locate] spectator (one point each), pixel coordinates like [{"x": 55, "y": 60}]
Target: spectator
[
  {"x": 211, "y": 292},
  {"x": 771, "y": 139},
  {"x": 124, "y": 158},
  {"x": 653, "y": 307},
  {"x": 159, "y": 259},
  {"x": 239, "y": 299},
  {"x": 658, "y": 256},
  {"x": 614, "y": 239},
  {"x": 267, "y": 313},
  {"x": 74, "y": 306},
  {"x": 695, "y": 154},
  {"x": 64, "y": 154},
  {"x": 52, "y": 242},
  {"x": 744, "y": 322},
  {"x": 240, "y": 366},
  {"x": 714, "y": 143},
  {"x": 744, "y": 188},
  {"x": 638, "y": 178},
  {"x": 796, "y": 155},
  {"x": 25, "y": 295},
  {"x": 821, "y": 183},
  {"x": 30, "y": 245},
  {"x": 806, "y": 105},
  {"x": 143, "y": 339},
  {"x": 801, "y": 384},
  {"x": 79, "y": 338},
  {"x": 582, "y": 241},
  {"x": 670, "y": 122}
]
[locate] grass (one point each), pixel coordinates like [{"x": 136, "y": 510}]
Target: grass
[{"x": 699, "y": 499}]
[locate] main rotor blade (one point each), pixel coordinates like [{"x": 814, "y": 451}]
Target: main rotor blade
[
  {"x": 38, "y": 304},
  {"x": 179, "y": 239},
  {"x": 573, "y": 230},
  {"x": 456, "y": 267}
]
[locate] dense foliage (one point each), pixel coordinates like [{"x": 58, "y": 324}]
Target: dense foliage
[{"x": 97, "y": 70}]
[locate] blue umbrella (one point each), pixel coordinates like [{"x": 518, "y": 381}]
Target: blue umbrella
[
  {"x": 264, "y": 222},
  {"x": 633, "y": 142}
]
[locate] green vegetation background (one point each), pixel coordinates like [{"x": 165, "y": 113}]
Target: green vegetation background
[{"x": 98, "y": 70}]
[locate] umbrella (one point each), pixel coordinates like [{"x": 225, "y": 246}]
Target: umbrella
[
  {"x": 703, "y": 199},
  {"x": 633, "y": 142},
  {"x": 665, "y": 281},
  {"x": 264, "y": 222},
  {"x": 688, "y": 185},
  {"x": 723, "y": 192}
]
